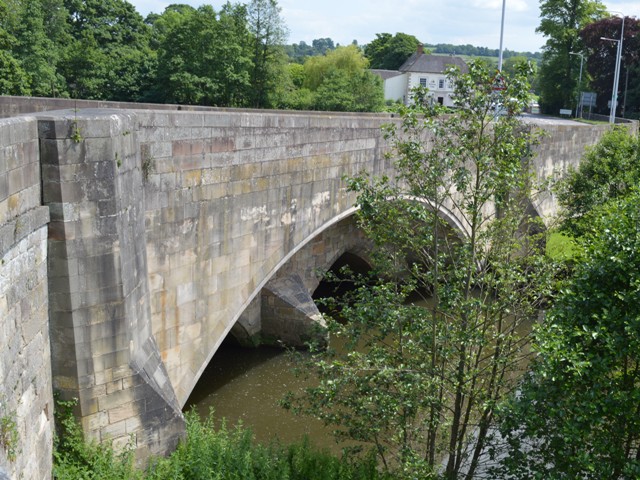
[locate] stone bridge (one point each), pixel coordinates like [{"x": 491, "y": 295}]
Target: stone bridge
[{"x": 134, "y": 241}]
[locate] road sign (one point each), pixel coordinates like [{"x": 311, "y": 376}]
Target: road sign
[{"x": 588, "y": 99}]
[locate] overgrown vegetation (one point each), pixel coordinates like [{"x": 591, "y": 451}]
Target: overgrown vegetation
[
  {"x": 9, "y": 436},
  {"x": 609, "y": 170},
  {"x": 424, "y": 383},
  {"x": 205, "y": 454},
  {"x": 577, "y": 413}
]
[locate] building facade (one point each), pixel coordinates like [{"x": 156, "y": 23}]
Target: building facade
[{"x": 421, "y": 69}]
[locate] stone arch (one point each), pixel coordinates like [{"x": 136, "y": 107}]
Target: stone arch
[
  {"x": 298, "y": 273},
  {"x": 246, "y": 321}
]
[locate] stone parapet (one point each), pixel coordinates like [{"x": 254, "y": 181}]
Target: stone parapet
[{"x": 26, "y": 398}]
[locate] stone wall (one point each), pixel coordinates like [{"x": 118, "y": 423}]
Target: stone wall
[
  {"x": 229, "y": 197},
  {"x": 102, "y": 348},
  {"x": 26, "y": 399}
]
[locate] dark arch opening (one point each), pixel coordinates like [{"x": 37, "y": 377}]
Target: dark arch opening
[{"x": 327, "y": 288}]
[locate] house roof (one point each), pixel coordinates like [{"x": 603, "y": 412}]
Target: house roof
[
  {"x": 385, "y": 73},
  {"x": 422, "y": 63}
]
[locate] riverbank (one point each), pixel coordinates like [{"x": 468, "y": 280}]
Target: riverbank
[{"x": 207, "y": 453}]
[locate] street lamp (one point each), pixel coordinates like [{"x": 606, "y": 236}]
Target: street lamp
[
  {"x": 616, "y": 76},
  {"x": 579, "y": 79},
  {"x": 501, "y": 36}
]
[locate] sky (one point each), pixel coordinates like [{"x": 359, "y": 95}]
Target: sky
[{"x": 458, "y": 22}]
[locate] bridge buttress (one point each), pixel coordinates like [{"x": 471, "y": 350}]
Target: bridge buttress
[{"x": 102, "y": 348}]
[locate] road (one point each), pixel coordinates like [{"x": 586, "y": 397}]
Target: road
[{"x": 547, "y": 120}]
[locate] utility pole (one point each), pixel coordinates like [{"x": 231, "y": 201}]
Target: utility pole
[{"x": 501, "y": 36}]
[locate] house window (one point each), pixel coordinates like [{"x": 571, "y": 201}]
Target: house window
[
  {"x": 441, "y": 83},
  {"x": 441, "y": 100},
  {"x": 423, "y": 82}
]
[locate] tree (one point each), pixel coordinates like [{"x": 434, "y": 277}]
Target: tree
[
  {"x": 423, "y": 385},
  {"x": 299, "y": 51},
  {"x": 609, "y": 170},
  {"x": 561, "y": 20},
  {"x": 322, "y": 45},
  {"x": 41, "y": 34},
  {"x": 269, "y": 34},
  {"x": 204, "y": 57},
  {"x": 390, "y": 52},
  {"x": 340, "y": 81},
  {"x": 109, "y": 55},
  {"x": 344, "y": 92},
  {"x": 577, "y": 414},
  {"x": 602, "y": 55},
  {"x": 13, "y": 79}
]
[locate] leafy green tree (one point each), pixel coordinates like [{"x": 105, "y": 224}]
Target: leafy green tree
[
  {"x": 321, "y": 46},
  {"x": 40, "y": 30},
  {"x": 269, "y": 34},
  {"x": 340, "y": 91},
  {"x": 13, "y": 79},
  {"x": 602, "y": 55},
  {"x": 609, "y": 170},
  {"x": 561, "y": 22},
  {"x": 109, "y": 55},
  {"x": 421, "y": 384},
  {"x": 298, "y": 52},
  {"x": 203, "y": 57},
  {"x": 390, "y": 52},
  {"x": 348, "y": 59},
  {"x": 577, "y": 414},
  {"x": 340, "y": 81}
]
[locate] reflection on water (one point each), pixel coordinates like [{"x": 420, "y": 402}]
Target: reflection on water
[{"x": 246, "y": 385}]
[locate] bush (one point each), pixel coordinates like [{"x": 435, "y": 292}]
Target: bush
[{"x": 205, "y": 454}]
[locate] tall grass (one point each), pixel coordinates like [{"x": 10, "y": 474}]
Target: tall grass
[{"x": 206, "y": 454}]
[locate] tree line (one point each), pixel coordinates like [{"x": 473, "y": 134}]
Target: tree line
[
  {"x": 575, "y": 32},
  {"x": 233, "y": 57},
  {"x": 236, "y": 56},
  {"x": 473, "y": 51}
]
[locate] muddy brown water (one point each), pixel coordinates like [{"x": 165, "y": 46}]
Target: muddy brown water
[{"x": 246, "y": 385}]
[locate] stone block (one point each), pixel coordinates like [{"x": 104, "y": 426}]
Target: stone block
[{"x": 113, "y": 431}]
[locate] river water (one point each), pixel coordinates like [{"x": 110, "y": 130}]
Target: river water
[{"x": 246, "y": 385}]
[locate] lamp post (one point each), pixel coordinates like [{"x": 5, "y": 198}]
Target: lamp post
[
  {"x": 579, "y": 79},
  {"x": 616, "y": 76},
  {"x": 501, "y": 36}
]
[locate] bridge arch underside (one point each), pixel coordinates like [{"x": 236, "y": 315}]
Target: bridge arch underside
[{"x": 282, "y": 310}]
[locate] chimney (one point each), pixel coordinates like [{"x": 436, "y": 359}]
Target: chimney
[{"x": 420, "y": 49}]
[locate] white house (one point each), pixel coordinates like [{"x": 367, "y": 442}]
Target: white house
[{"x": 421, "y": 69}]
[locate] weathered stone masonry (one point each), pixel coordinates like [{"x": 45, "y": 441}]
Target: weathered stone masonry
[
  {"x": 102, "y": 348},
  {"x": 166, "y": 229},
  {"x": 26, "y": 405}
]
